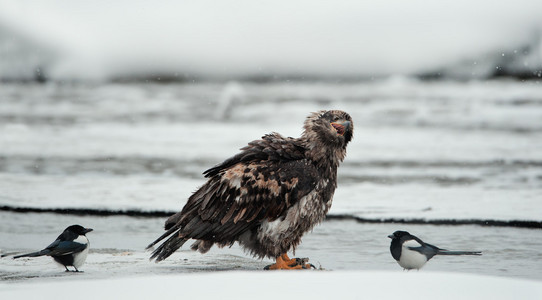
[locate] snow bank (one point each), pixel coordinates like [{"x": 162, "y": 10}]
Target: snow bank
[{"x": 285, "y": 285}]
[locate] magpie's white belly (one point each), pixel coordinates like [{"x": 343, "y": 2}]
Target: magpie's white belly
[
  {"x": 411, "y": 259},
  {"x": 80, "y": 258}
]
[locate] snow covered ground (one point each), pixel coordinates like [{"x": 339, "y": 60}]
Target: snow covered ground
[
  {"x": 118, "y": 243},
  {"x": 287, "y": 285},
  {"x": 353, "y": 260}
]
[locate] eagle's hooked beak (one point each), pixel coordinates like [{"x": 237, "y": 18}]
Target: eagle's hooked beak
[{"x": 341, "y": 127}]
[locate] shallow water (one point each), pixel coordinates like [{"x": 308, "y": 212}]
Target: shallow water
[{"x": 117, "y": 248}]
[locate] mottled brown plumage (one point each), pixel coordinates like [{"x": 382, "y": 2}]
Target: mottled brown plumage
[{"x": 267, "y": 196}]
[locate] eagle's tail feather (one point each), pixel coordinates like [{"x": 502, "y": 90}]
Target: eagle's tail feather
[
  {"x": 163, "y": 236},
  {"x": 172, "y": 244}
]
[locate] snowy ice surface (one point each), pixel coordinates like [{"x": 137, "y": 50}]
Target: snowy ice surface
[
  {"x": 286, "y": 285},
  {"x": 364, "y": 200},
  {"x": 117, "y": 249},
  {"x": 431, "y": 150}
]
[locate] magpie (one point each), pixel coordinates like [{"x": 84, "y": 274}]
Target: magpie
[
  {"x": 412, "y": 253},
  {"x": 69, "y": 249}
]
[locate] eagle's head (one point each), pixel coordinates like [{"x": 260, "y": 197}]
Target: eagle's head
[{"x": 332, "y": 128}]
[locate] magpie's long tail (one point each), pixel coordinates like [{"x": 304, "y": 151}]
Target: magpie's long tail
[
  {"x": 448, "y": 252},
  {"x": 34, "y": 254}
]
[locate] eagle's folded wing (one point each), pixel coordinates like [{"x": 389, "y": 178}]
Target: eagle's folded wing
[{"x": 260, "y": 183}]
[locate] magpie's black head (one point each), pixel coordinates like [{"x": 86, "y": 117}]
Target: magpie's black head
[
  {"x": 399, "y": 234},
  {"x": 78, "y": 229}
]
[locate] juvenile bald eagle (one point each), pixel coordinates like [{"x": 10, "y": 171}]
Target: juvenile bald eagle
[{"x": 267, "y": 196}]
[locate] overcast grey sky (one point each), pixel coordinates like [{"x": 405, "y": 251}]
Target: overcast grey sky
[{"x": 112, "y": 38}]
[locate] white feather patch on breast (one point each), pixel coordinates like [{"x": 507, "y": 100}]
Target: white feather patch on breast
[
  {"x": 411, "y": 259},
  {"x": 274, "y": 228},
  {"x": 80, "y": 258},
  {"x": 306, "y": 207}
]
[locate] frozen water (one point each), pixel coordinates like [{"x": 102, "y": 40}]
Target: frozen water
[
  {"x": 117, "y": 248},
  {"x": 438, "y": 150},
  {"x": 429, "y": 150}
]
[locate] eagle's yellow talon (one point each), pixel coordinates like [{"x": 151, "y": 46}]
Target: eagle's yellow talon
[{"x": 283, "y": 262}]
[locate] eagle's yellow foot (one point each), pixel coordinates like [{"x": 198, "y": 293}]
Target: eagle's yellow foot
[{"x": 283, "y": 262}]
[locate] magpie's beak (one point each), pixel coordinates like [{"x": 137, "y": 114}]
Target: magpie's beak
[
  {"x": 87, "y": 230},
  {"x": 391, "y": 236}
]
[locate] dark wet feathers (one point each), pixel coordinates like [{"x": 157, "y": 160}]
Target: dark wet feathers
[
  {"x": 264, "y": 183},
  {"x": 272, "y": 147},
  {"x": 261, "y": 182}
]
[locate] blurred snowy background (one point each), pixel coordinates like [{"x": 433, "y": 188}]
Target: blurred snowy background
[
  {"x": 105, "y": 40},
  {"x": 121, "y": 105}
]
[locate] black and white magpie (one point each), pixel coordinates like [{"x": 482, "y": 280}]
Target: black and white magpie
[
  {"x": 412, "y": 253},
  {"x": 69, "y": 249}
]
